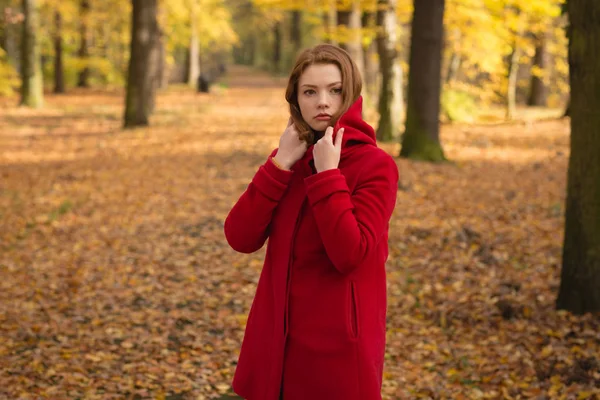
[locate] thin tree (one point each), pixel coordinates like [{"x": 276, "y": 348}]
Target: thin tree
[
  {"x": 538, "y": 92},
  {"x": 580, "y": 278},
  {"x": 84, "y": 45},
  {"x": 145, "y": 51},
  {"x": 32, "y": 94},
  {"x": 194, "y": 52},
  {"x": 390, "y": 96},
  {"x": 59, "y": 77},
  {"x": 421, "y": 137}
]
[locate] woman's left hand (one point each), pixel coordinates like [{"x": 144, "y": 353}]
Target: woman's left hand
[{"x": 327, "y": 153}]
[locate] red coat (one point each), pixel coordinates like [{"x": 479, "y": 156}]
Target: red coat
[{"x": 318, "y": 320}]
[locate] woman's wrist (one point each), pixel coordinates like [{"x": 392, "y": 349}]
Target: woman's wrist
[{"x": 279, "y": 163}]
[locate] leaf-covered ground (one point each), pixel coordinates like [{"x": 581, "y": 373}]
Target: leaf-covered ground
[{"x": 116, "y": 280}]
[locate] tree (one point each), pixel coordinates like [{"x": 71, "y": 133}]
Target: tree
[
  {"x": 349, "y": 20},
  {"x": 32, "y": 94},
  {"x": 59, "y": 79},
  {"x": 390, "y": 95},
  {"x": 84, "y": 51},
  {"x": 194, "y": 51},
  {"x": 145, "y": 52},
  {"x": 421, "y": 137},
  {"x": 580, "y": 278},
  {"x": 538, "y": 94},
  {"x": 296, "y": 31}
]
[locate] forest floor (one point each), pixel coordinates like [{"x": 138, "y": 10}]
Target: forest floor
[{"x": 116, "y": 280}]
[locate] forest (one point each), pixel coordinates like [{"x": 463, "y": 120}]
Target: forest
[{"x": 129, "y": 128}]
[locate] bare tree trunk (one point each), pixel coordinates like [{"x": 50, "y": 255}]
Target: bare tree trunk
[
  {"x": 511, "y": 90},
  {"x": 84, "y": 51},
  {"x": 421, "y": 138},
  {"x": 352, "y": 20},
  {"x": 141, "y": 82},
  {"x": 59, "y": 79},
  {"x": 10, "y": 37},
  {"x": 32, "y": 94},
  {"x": 580, "y": 278},
  {"x": 330, "y": 21},
  {"x": 369, "y": 19},
  {"x": 453, "y": 68},
  {"x": 296, "y": 31},
  {"x": 390, "y": 95},
  {"x": 538, "y": 95},
  {"x": 194, "y": 60},
  {"x": 277, "y": 47}
]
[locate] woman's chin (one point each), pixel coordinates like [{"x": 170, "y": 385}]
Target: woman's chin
[{"x": 319, "y": 126}]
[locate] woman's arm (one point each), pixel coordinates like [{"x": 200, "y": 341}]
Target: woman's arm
[
  {"x": 247, "y": 225},
  {"x": 351, "y": 225}
]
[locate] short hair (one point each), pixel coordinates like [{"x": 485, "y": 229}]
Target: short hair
[{"x": 351, "y": 83}]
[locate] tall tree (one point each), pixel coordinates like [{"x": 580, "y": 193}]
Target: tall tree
[
  {"x": 194, "y": 52},
  {"x": 84, "y": 44},
  {"x": 296, "y": 31},
  {"x": 350, "y": 19},
  {"x": 538, "y": 92},
  {"x": 59, "y": 78},
  {"x": 390, "y": 96},
  {"x": 277, "y": 42},
  {"x": 145, "y": 51},
  {"x": 370, "y": 56},
  {"x": 32, "y": 94},
  {"x": 512, "y": 75},
  {"x": 421, "y": 137},
  {"x": 580, "y": 279}
]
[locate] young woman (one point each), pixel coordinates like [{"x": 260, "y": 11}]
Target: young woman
[{"x": 316, "y": 329}]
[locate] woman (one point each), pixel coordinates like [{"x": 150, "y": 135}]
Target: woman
[{"x": 316, "y": 329}]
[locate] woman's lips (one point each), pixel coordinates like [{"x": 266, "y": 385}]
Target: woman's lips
[{"x": 323, "y": 117}]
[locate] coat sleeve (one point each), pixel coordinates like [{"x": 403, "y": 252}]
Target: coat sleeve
[
  {"x": 247, "y": 224},
  {"x": 351, "y": 225}
]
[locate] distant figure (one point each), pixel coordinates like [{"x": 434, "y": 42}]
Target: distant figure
[
  {"x": 203, "y": 83},
  {"x": 323, "y": 198}
]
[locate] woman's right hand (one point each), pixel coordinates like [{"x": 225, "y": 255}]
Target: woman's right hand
[{"x": 291, "y": 148}]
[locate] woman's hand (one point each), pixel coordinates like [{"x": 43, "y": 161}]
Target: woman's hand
[
  {"x": 291, "y": 148},
  {"x": 327, "y": 153}
]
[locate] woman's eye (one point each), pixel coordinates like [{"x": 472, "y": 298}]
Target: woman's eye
[
  {"x": 337, "y": 90},
  {"x": 309, "y": 92}
]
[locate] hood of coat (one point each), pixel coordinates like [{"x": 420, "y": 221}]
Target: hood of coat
[{"x": 356, "y": 130}]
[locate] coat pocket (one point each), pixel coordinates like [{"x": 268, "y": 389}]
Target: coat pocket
[{"x": 353, "y": 316}]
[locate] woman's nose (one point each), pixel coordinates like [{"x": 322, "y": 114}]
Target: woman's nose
[{"x": 323, "y": 100}]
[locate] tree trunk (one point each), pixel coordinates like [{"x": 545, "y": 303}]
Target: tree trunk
[
  {"x": 59, "y": 79},
  {"x": 84, "y": 46},
  {"x": 32, "y": 94},
  {"x": 538, "y": 95},
  {"x": 330, "y": 21},
  {"x": 141, "y": 79},
  {"x": 296, "y": 31},
  {"x": 369, "y": 20},
  {"x": 453, "y": 68},
  {"x": 511, "y": 90},
  {"x": 580, "y": 279},
  {"x": 352, "y": 20},
  {"x": 277, "y": 47},
  {"x": 421, "y": 137},
  {"x": 194, "y": 60},
  {"x": 10, "y": 39},
  {"x": 390, "y": 95}
]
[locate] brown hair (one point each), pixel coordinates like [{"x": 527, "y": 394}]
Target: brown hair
[{"x": 351, "y": 83}]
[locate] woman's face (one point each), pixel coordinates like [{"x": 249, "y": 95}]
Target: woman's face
[{"x": 320, "y": 95}]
